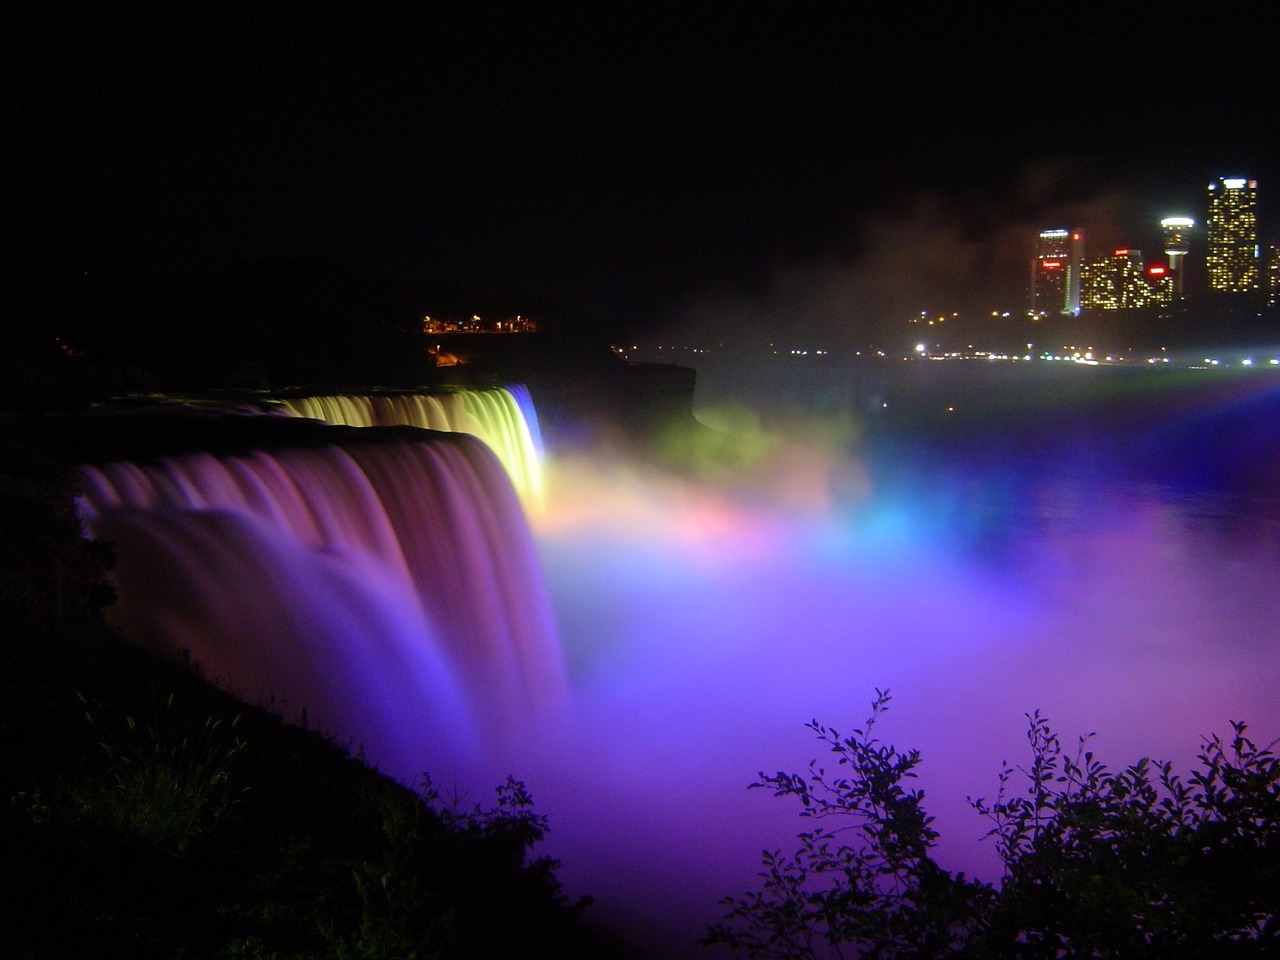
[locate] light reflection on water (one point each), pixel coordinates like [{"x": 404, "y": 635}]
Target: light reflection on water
[{"x": 1091, "y": 579}]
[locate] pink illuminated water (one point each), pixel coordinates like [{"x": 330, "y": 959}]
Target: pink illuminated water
[
  {"x": 1120, "y": 579},
  {"x": 978, "y": 581},
  {"x": 389, "y": 588}
]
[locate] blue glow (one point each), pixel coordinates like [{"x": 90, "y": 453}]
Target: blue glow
[
  {"x": 1119, "y": 575},
  {"x": 1094, "y": 582}
]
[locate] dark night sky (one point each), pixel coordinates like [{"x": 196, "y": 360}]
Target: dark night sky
[{"x": 662, "y": 163}]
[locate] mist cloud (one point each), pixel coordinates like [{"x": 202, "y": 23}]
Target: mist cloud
[{"x": 933, "y": 253}]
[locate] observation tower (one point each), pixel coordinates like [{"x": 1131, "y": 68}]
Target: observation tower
[{"x": 1176, "y": 231}]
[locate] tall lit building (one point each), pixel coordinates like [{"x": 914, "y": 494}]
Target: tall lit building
[
  {"x": 1122, "y": 282},
  {"x": 1055, "y": 273},
  {"x": 1160, "y": 286},
  {"x": 1073, "y": 272},
  {"x": 1109, "y": 282},
  {"x": 1231, "y": 258},
  {"x": 1177, "y": 236}
]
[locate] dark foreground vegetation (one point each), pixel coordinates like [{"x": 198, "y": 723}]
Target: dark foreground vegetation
[
  {"x": 1135, "y": 864},
  {"x": 145, "y": 813}
]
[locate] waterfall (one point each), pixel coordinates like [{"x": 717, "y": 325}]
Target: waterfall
[
  {"x": 389, "y": 586},
  {"x": 503, "y": 417}
]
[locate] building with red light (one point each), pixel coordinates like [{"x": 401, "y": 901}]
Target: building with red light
[
  {"x": 1055, "y": 273},
  {"x": 1122, "y": 282}
]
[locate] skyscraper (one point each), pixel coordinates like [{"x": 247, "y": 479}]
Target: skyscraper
[
  {"x": 1055, "y": 273},
  {"x": 1232, "y": 231}
]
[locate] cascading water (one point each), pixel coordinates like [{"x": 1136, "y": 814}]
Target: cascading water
[
  {"x": 503, "y": 417},
  {"x": 974, "y": 574},
  {"x": 389, "y": 587}
]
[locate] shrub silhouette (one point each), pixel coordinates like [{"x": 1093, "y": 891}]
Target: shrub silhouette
[{"x": 1133, "y": 864}]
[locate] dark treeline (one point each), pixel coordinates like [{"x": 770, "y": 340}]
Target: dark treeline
[
  {"x": 247, "y": 326},
  {"x": 305, "y": 327},
  {"x": 252, "y": 325}
]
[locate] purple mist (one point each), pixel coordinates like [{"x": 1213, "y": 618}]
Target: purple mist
[{"x": 636, "y": 647}]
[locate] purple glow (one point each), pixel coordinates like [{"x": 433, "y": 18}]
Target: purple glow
[
  {"x": 702, "y": 622},
  {"x": 390, "y": 589},
  {"x": 702, "y": 632}
]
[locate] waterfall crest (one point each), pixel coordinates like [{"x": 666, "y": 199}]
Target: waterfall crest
[
  {"x": 503, "y": 417},
  {"x": 390, "y": 586}
]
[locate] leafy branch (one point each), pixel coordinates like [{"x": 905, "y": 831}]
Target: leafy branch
[{"x": 1136, "y": 863}]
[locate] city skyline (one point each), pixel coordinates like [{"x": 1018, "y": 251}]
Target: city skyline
[
  {"x": 636, "y": 168},
  {"x": 1226, "y": 248}
]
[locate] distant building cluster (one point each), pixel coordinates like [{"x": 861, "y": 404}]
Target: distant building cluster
[
  {"x": 476, "y": 324},
  {"x": 1123, "y": 281},
  {"x": 1065, "y": 281}
]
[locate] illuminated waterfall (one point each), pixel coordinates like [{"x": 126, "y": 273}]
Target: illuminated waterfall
[
  {"x": 388, "y": 586},
  {"x": 503, "y": 417}
]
